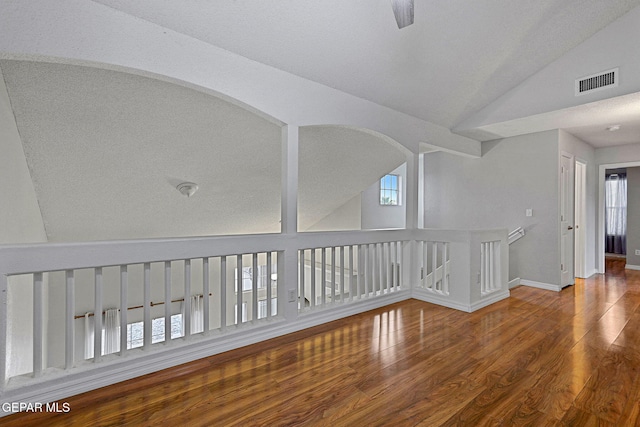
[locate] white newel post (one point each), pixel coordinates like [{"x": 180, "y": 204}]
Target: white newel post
[{"x": 288, "y": 265}]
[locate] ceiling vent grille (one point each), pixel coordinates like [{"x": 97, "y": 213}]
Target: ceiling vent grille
[{"x": 594, "y": 82}]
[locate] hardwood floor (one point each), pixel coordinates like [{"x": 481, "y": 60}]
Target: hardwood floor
[{"x": 538, "y": 358}]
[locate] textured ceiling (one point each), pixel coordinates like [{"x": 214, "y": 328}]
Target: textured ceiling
[
  {"x": 106, "y": 150},
  {"x": 457, "y": 57}
]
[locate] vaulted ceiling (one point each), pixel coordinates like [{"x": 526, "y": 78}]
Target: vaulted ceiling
[{"x": 456, "y": 58}]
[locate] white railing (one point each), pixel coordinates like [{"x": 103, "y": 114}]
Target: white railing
[
  {"x": 465, "y": 270},
  {"x": 343, "y": 274},
  {"x": 183, "y": 299}
]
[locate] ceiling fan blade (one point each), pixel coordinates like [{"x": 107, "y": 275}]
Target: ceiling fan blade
[{"x": 403, "y": 10}]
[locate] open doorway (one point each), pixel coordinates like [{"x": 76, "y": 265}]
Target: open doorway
[
  {"x": 604, "y": 170},
  {"x": 615, "y": 213}
]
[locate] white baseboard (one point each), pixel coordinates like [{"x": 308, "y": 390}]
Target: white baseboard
[
  {"x": 591, "y": 273},
  {"x": 541, "y": 285},
  {"x": 632, "y": 267},
  {"x": 495, "y": 297},
  {"x": 513, "y": 283},
  {"x": 426, "y": 296}
]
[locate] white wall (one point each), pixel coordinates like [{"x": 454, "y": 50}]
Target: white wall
[
  {"x": 619, "y": 154},
  {"x": 586, "y": 153},
  {"x": 633, "y": 215},
  {"x": 376, "y": 216},
  {"x": 513, "y": 174},
  {"x": 20, "y": 222},
  {"x": 346, "y": 217}
]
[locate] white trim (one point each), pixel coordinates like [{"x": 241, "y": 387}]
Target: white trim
[
  {"x": 541, "y": 285},
  {"x": 495, "y": 297},
  {"x": 429, "y": 297},
  {"x": 515, "y": 282},
  {"x": 591, "y": 273},
  {"x": 601, "y": 176},
  {"x": 425, "y": 296},
  {"x": 632, "y": 267}
]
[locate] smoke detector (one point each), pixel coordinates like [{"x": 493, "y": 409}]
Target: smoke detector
[{"x": 187, "y": 189}]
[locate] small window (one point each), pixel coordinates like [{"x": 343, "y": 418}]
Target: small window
[{"x": 390, "y": 190}]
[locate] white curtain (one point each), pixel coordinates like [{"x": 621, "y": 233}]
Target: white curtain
[
  {"x": 616, "y": 213},
  {"x": 197, "y": 314},
  {"x": 88, "y": 336},
  {"x": 110, "y": 333}
]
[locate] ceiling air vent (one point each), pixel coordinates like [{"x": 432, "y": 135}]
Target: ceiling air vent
[{"x": 604, "y": 80}]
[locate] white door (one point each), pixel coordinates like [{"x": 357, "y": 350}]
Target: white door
[
  {"x": 566, "y": 220},
  {"x": 580, "y": 219}
]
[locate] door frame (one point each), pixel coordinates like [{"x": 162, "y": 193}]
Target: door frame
[{"x": 580, "y": 218}]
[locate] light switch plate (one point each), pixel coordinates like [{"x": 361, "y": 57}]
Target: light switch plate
[
  {"x": 529, "y": 212},
  {"x": 637, "y": 251}
]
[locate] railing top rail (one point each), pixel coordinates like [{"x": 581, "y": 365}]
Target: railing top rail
[
  {"x": 453, "y": 235},
  {"x": 41, "y": 257}
]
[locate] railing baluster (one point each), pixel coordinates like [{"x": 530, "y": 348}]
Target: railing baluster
[
  {"x": 434, "y": 265},
  {"x": 323, "y": 275},
  {"x": 493, "y": 266},
  {"x": 223, "y": 293},
  {"x": 361, "y": 272},
  {"x": 352, "y": 270},
  {"x": 187, "y": 299},
  {"x": 69, "y": 330},
  {"x": 147, "y": 306},
  {"x": 124, "y": 286},
  {"x": 38, "y": 323},
  {"x": 97, "y": 316},
  {"x": 301, "y": 255},
  {"x": 445, "y": 267},
  {"x": 333, "y": 275},
  {"x": 167, "y": 302},
  {"x": 205, "y": 295},
  {"x": 387, "y": 263},
  {"x": 380, "y": 261},
  {"x": 367, "y": 273},
  {"x": 269, "y": 291},
  {"x": 240, "y": 287},
  {"x": 425, "y": 265},
  {"x": 313, "y": 278},
  {"x": 401, "y": 266},
  {"x": 254, "y": 287},
  {"x": 342, "y": 250}
]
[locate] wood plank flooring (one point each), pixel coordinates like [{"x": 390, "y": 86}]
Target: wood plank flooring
[{"x": 538, "y": 358}]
